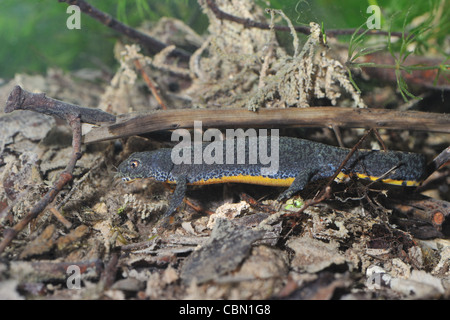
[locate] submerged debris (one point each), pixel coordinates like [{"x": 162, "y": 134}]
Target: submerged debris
[
  {"x": 224, "y": 251},
  {"x": 308, "y": 74},
  {"x": 224, "y": 68},
  {"x": 107, "y": 229}
]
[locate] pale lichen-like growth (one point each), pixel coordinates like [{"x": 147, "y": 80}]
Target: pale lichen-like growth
[
  {"x": 131, "y": 53},
  {"x": 159, "y": 62},
  {"x": 145, "y": 209},
  {"x": 308, "y": 74},
  {"x": 236, "y": 66},
  {"x": 123, "y": 91},
  {"x": 225, "y": 68}
]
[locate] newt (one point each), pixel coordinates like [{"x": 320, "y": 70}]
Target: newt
[{"x": 300, "y": 162}]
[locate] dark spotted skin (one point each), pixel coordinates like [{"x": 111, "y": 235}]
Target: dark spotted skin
[{"x": 300, "y": 161}]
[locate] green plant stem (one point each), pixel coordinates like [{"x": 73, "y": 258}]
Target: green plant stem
[{"x": 393, "y": 66}]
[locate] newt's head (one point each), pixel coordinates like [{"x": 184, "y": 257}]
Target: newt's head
[{"x": 150, "y": 164}]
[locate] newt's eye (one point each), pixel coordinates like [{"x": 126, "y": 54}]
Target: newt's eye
[{"x": 134, "y": 164}]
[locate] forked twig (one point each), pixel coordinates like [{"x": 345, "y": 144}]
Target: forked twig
[
  {"x": 343, "y": 163},
  {"x": 20, "y": 99},
  {"x": 325, "y": 193}
]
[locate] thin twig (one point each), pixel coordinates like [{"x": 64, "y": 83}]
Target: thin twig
[
  {"x": 197, "y": 208},
  {"x": 384, "y": 175},
  {"x": 308, "y": 203},
  {"x": 20, "y": 99},
  {"x": 439, "y": 161},
  {"x": 325, "y": 194},
  {"x": 109, "y": 273},
  {"x": 60, "y": 217},
  {"x": 377, "y": 134},
  {"x": 64, "y": 178},
  {"x": 326, "y": 191},
  {"x": 338, "y": 135},
  {"x": 76, "y": 185},
  {"x": 150, "y": 84},
  {"x": 153, "y": 45},
  {"x": 343, "y": 163},
  {"x": 221, "y": 15}
]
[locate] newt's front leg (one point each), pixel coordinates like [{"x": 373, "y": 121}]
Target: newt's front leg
[
  {"x": 299, "y": 184},
  {"x": 177, "y": 197}
]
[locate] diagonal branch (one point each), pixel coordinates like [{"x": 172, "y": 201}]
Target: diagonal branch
[
  {"x": 64, "y": 178},
  {"x": 20, "y": 99},
  {"x": 221, "y": 15},
  {"x": 150, "y": 43}
]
